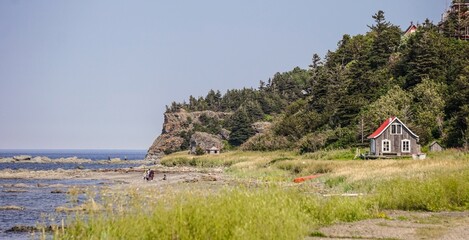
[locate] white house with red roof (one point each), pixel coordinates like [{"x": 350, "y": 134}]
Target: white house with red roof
[{"x": 393, "y": 137}]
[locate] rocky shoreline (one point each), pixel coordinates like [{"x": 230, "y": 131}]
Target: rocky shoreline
[{"x": 58, "y": 183}]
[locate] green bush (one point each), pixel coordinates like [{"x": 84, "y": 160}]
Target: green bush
[
  {"x": 199, "y": 151},
  {"x": 313, "y": 142},
  {"x": 266, "y": 142}
]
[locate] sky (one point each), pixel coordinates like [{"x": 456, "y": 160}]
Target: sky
[{"x": 97, "y": 74}]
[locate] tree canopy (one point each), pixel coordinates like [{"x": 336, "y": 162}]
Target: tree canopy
[{"x": 422, "y": 78}]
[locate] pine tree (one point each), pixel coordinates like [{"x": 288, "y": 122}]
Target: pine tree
[
  {"x": 241, "y": 129},
  {"x": 386, "y": 39}
]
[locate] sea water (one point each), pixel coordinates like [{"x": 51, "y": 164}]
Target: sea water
[
  {"x": 82, "y": 154},
  {"x": 38, "y": 201},
  {"x": 93, "y": 154}
]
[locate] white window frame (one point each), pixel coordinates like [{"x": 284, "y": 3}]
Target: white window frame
[
  {"x": 402, "y": 146},
  {"x": 389, "y": 146},
  {"x": 396, "y": 126}
]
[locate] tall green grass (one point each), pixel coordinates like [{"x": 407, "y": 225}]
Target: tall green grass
[
  {"x": 335, "y": 154},
  {"x": 264, "y": 213},
  {"x": 202, "y": 162},
  {"x": 226, "y": 159},
  {"x": 448, "y": 190}
]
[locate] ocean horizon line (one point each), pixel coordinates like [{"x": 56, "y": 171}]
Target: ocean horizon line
[{"x": 71, "y": 149}]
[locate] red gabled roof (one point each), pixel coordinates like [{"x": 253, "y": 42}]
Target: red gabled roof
[
  {"x": 381, "y": 128},
  {"x": 412, "y": 28},
  {"x": 386, "y": 124}
]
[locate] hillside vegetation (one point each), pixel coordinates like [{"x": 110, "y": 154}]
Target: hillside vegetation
[{"x": 423, "y": 78}]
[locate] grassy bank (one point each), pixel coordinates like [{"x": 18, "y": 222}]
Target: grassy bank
[
  {"x": 277, "y": 208},
  {"x": 281, "y": 166},
  {"x": 268, "y": 212}
]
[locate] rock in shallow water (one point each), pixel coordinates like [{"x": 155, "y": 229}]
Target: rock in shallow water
[
  {"x": 11, "y": 207},
  {"x": 21, "y": 228},
  {"x": 41, "y": 160},
  {"x": 58, "y": 185},
  {"x": 7, "y": 160},
  {"x": 22, "y": 158},
  {"x": 20, "y": 185},
  {"x": 14, "y": 190},
  {"x": 58, "y": 191}
]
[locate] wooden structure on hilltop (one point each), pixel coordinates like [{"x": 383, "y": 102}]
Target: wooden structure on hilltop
[
  {"x": 411, "y": 29},
  {"x": 460, "y": 9},
  {"x": 393, "y": 138}
]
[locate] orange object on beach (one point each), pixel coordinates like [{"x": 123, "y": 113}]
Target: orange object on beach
[{"x": 302, "y": 179}]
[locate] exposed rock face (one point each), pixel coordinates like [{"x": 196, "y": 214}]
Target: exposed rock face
[
  {"x": 204, "y": 141},
  {"x": 165, "y": 143},
  {"x": 224, "y": 134},
  {"x": 176, "y": 128},
  {"x": 261, "y": 127}
]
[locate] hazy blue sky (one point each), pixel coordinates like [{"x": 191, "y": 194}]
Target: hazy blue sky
[{"x": 98, "y": 74}]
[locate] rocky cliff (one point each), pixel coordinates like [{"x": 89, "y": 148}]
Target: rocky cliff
[{"x": 179, "y": 127}]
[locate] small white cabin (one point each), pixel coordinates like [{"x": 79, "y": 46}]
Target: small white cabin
[{"x": 212, "y": 150}]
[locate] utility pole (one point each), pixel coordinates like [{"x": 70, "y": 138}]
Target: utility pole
[{"x": 362, "y": 128}]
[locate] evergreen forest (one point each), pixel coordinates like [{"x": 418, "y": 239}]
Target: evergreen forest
[{"x": 422, "y": 78}]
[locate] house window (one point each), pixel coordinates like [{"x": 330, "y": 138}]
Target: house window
[
  {"x": 405, "y": 145},
  {"x": 396, "y": 128},
  {"x": 386, "y": 146}
]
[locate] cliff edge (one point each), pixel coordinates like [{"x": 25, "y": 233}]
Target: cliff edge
[{"x": 180, "y": 126}]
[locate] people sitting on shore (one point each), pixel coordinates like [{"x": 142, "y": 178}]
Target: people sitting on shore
[{"x": 149, "y": 175}]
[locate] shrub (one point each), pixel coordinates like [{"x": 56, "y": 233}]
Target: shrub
[
  {"x": 199, "y": 151},
  {"x": 313, "y": 142},
  {"x": 266, "y": 142}
]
